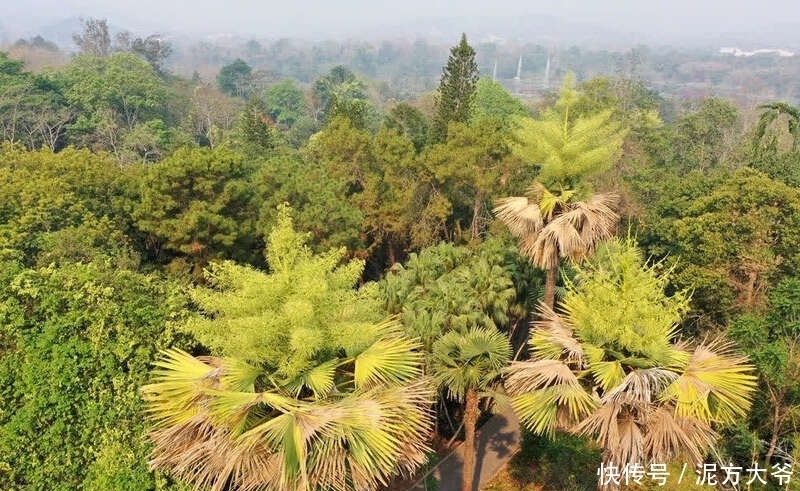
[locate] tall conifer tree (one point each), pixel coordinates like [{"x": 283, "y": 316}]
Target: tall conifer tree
[{"x": 456, "y": 94}]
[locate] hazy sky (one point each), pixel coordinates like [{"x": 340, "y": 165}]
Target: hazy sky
[{"x": 265, "y": 16}]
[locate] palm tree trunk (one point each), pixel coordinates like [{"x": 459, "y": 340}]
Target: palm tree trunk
[
  {"x": 392, "y": 255},
  {"x": 776, "y": 428},
  {"x": 550, "y": 286},
  {"x": 470, "y": 422},
  {"x": 476, "y": 213},
  {"x": 611, "y": 485}
]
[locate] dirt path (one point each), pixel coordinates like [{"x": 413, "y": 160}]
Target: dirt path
[{"x": 497, "y": 441}]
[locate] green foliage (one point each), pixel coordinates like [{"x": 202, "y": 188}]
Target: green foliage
[
  {"x": 120, "y": 105},
  {"x": 772, "y": 340},
  {"x": 302, "y": 130},
  {"x": 76, "y": 344},
  {"x": 492, "y": 101},
  {"x": 197, "y": 203},
  {"x": 566, "y": 462},
  {"x": 123, "y": 84},
  {"x": 346, "y": 151},
  {"x": 743, "y": 234},
  {"x": 776, "y": 151},
  {"x": 9, "y": 67},
  {"x": 634, "y": 323},
  {"x": 456, "y": 95},
  {"x": 409, "y": 122},
  {"x": 285, "y": 320},
  {"x": 50, "y": 200},
  {"x": 234, "y": 78},
  {"x": 257, "y": 134},
  {"x": 569, "y": 148},
  {"x": 447, "y": 288},
  {"x": 394, "y": 193},
  {"x": 773, "y": 112},
  {"x": 609, "y": 366},
  {"x": 469, "y": 361},
  {"x": 33, "y": 109},
  {"x": 341, "y": 94},
  {"x": 473, "y": 166},
  {"x": 703, "y": 138},
  {"x": 319, "y": 201},
  {"x": 632, "y": 102},
  {"x": 285, "y": 103}
]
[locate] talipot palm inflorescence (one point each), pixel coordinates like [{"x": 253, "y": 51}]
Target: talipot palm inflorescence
[
  {"x": 306, "y": 391},
  {"x": 609, "y": 365}
]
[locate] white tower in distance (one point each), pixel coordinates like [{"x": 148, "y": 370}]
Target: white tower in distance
[{"x": 547, "y": 73}]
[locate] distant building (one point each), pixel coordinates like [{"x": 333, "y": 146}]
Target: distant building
[{"x": 741, "y": 52}]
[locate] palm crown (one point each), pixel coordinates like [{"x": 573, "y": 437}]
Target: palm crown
[
  {"x": 609, "y": 365},
  {"x": 311, "y": 392}
]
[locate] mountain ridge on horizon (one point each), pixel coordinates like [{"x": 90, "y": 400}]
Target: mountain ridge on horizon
[{"x": 545, "y": 29}]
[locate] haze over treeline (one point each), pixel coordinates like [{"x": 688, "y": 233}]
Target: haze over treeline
[{"x": 616, "y": 22}]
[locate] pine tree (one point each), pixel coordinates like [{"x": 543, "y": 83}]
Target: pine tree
[
  {"x": 457, "y": 87},
  {"x": 257, "y": 133}
]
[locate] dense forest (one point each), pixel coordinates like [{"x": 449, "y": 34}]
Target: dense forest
[{"x": 285, "y": 280}]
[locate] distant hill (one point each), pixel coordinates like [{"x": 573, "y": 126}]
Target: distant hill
[
  {"x": 61, "y": 32},
  {"x": 546, "y": 30},
  {"x": 536, "y": 29}
]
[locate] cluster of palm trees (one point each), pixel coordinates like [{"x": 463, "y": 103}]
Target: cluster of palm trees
[{"x": 606, "y": 362}]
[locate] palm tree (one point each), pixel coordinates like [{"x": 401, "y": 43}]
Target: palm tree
[
  {"x": 306, "y": 391},
  {"x": 568, "y": 147},
  {"x": 348, "y": 423},
  {"x": 608, "y": 365},
  {"x": 466, "y": 366},
  {"x": 773, "y": 111},
  {"x": 554, "y": 226}
]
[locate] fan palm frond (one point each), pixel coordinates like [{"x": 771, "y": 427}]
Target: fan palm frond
[
  {"x": 606, "y": 366},
  {"x": 387, "y": 361},
  {"x": 472, "y": 360},
  {"x": 670, "y": 436},
  {"x": 552, "y": 338},
  {"x": 180, "y": 381},
  {"x": 716, "y": 385},
  {"x": 521, "y": 216},
  {"x": 319, "y": 379},
  {"x": 213, "y": 436},
  {"x": 547, "y": 394}
]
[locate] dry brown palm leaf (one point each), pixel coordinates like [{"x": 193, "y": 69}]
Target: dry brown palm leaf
[
  {"x": 553, "y": 338},
  {"x": 602, "y": 424},
  {"x": 522, "y": 216},
  {"x": 641, "y": 388},
  {"x": 528, "y": 376},
  {"x": 669, "y": 437}
]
